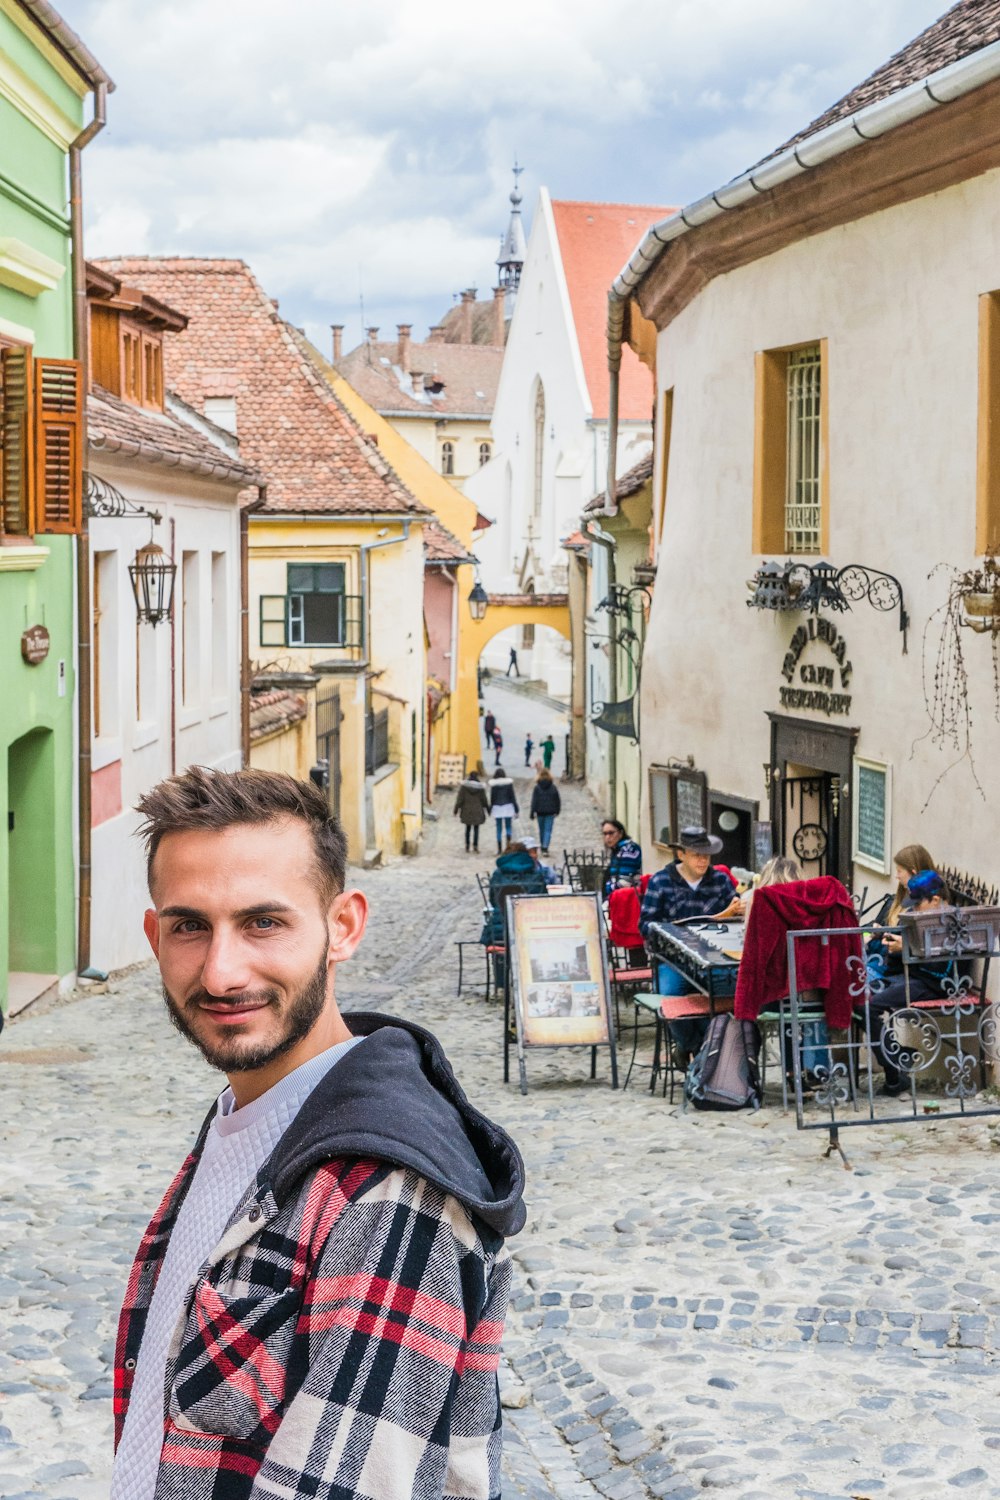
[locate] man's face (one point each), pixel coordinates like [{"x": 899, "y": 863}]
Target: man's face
[
  {"x": 694, "y": 865},
  {"x": 246, "y": 944}
]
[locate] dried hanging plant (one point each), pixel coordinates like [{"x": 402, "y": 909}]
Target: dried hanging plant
[{"x": 973, "y": 602}]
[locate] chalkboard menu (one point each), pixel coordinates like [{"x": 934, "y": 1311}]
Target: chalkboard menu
[
  {"x": 871, "y": 814},
  {"x": 689, "y": 800},
  {"x": 763, "y": 845}
]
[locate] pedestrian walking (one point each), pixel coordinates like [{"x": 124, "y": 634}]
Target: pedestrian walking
[
  {"x": 271, "y": 1314},
  {"x": 529, "y": 745},
  {"x": 489, "y": 724},
  {"x": 548, "y": 749},
  {"x": 512, "y": 664},
  {"x": 497, "y": 743},
  {"x": 503, "y": 805},
  {"x": 471, "y": 805},
  {"x": 546, "y": 805}
]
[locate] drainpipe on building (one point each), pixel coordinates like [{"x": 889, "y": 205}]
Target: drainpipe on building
[
  {"x": 83, "y": 605},
  {"x": 602, "y": 538},
  {"x": 245, "y": 513}
]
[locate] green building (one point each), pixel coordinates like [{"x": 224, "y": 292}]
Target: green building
[{"x": 46, "y": 75}]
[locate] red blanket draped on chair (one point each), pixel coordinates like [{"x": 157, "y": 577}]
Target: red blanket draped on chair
[{"x": 779, "y": 909}]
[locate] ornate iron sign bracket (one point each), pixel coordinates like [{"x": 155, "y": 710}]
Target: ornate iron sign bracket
[{"x": 816, "y": 586}]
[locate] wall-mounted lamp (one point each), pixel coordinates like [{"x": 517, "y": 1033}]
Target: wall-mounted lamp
[
  {"x": 152, "y": 574},
  {"x": 479, "y": 601}
]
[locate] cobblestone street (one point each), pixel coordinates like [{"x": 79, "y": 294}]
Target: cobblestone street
[{"x": 703, "y": 1301}]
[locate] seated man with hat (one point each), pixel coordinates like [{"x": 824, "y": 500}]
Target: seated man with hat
[{"x": 690, "y": 887}]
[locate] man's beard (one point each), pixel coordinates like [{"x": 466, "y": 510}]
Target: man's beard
[{"x": 235, "y": 1056}]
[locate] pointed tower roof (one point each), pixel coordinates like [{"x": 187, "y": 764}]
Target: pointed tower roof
[{"x": 512, "y": 246}]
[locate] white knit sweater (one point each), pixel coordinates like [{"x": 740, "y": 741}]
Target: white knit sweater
[{"x": 236, "y": 1147}]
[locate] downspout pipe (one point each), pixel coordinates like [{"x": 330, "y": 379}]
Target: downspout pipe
[
  {"x": 84, "y": 623},
  {"x": 603, "y": 539},
  {"x": 245, "y": 513},
  {"x": 366, "y": 549},
  {"x": 920, "y": 98}
]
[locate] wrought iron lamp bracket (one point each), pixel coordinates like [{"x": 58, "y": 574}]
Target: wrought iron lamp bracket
[{"x": 103, "y": 502}]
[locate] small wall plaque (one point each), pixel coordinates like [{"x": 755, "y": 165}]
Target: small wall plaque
[{"x": 35, "y": 642}]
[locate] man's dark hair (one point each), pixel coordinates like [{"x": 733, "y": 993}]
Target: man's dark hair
[
  {"x": 204, "y": 799},
  {"x": 614, "y": 823}
]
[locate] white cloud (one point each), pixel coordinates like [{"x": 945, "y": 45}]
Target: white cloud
[{"x": 338, "y": 145}]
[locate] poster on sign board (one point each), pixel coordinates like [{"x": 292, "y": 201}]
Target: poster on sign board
[
  {"x": 558, "y": 974},
  {"x": 451, "y": 769}
]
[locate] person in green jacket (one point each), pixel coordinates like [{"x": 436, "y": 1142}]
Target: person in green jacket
[{"x": 548, "y": 749}]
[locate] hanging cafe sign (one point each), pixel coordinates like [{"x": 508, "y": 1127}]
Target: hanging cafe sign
[
  {"x": 824, "y": 687},
  {"x": 616, "y": 718}
]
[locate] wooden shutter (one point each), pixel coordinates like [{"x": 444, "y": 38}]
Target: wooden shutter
[
  {"x": 17, "y": 471},
  {"x": 58, "y": 447}
]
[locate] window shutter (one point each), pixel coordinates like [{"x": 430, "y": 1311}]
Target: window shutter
[
  {"x": 16, "y": 476},
  {"x": 58, "y": 446}
]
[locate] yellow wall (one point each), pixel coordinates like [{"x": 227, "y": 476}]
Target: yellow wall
[
  {"x": 291, "y": 750},
  {"x": 396, "y": 646},
  {"x": 477, "y": 635}
]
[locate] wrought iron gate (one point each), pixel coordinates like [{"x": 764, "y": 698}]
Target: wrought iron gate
[
  {"x": 328, "y": 721},
  {"x": 811, "y": 823}
]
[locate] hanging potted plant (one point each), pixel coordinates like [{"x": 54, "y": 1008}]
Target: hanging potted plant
[{"x": 978, "y": 590}]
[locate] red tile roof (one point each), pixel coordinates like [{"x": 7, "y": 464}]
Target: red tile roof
[
  {"x": 467, "y": 376},
  {"x": 440, "y": 546},
  {"x": 965, "y": 28},
  {"x": 311, "y": 453},
  {"x": 116, "y": 426},
  {"x": 595, "y": 241},
  {"x": 275, "y": 710},
  {"x": 629, "y": 483}
]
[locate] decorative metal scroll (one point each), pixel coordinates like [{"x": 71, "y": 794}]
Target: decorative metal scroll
[
  {"x": 923, "y": 1043},
  {"x": 616, "y": 718},
  {"x": 102, "y": 501},
  {"x": 816, "y": 586}
]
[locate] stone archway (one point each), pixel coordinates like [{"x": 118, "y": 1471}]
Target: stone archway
[{"x": 504, "y": 610}]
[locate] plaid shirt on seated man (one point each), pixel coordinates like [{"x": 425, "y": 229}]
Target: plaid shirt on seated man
[{"x": 669, "y": 897}]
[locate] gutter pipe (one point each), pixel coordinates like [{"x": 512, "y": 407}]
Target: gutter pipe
[
  {"x": 941, "y": 87},
  {"x": 366, "y": 549},
  {"x": 83, "y": 605},
  {"x": 603, "y": 539},
  {"x": 245, "y": 514}
]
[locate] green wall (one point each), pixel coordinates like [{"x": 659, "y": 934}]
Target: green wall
[{"x": 37, "y": 758}]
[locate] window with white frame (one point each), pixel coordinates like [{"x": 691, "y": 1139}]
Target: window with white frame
[{"x": 803, "y": 501}]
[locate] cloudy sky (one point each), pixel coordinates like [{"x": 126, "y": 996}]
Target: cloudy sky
[{"x": 362, "y": 148}]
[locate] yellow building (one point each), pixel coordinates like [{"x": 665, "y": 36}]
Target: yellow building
[{"x": 334, "y": 602}]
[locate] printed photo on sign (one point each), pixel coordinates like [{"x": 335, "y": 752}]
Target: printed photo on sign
[{"x": 558, "y": 971}]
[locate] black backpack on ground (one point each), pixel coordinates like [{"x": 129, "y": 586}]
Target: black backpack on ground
[{"x": 724, "y": 1073}]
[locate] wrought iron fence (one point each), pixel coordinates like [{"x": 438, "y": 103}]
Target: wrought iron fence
[
  {"x": 931, "y": 1030},
  {"x": 376, "y": 740}
]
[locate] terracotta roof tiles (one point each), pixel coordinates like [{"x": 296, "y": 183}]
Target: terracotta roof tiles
[
  {"x": 116, "y": 426},
  {"x": 468, "y": 375},
  {"x": 277, "y": 709},
  {"x": 595, "y": 241},
  {"x": 629, "y": 483},
  {"x": 965, "y": 28},
  {"x": 311, "y": 453},
  {"x": 441, "y": 546}
]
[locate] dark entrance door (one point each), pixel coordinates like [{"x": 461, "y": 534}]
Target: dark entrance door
[
  {"x": 810, "y": 794},
  {"x": 328, "y": 721}
]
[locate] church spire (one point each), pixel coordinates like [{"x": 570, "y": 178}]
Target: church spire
[{"x": 512, "y": 246}]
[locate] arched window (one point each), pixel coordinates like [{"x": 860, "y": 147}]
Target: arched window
[
  {"x": 447, "y": 458},
  {"x": 536, "y": 503},
  {"x": 484, "y": 453}
]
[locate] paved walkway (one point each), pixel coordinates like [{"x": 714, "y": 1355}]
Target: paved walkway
[{"x": 703, "y": 1303}]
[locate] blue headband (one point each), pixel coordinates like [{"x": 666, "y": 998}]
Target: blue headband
[{"x": 924, "y": 885}]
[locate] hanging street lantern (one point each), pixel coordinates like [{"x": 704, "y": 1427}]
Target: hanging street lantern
[
  {"x": 478, "y": 601},
  {"x": 152, "y": 574}
]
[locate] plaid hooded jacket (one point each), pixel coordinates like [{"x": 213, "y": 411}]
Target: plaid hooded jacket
[{"x": 342, "y": 1340}]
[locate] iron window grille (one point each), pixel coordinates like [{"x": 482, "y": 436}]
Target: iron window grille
[
  {"x": 376, "y": 740},
  {"x": 803, "y": 503}
]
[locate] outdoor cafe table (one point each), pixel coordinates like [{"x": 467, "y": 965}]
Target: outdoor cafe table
[{"x": 702, "y": 951}]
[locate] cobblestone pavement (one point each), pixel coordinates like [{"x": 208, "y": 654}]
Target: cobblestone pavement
[{"x": 703, "y": 1302}]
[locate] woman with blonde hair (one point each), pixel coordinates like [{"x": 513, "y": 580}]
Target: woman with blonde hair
[
  {"x": 778, "y": 871},
  {"x": 909, "y": 861}
]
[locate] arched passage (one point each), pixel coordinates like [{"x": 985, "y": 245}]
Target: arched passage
[{"x": 503, "y": 612}]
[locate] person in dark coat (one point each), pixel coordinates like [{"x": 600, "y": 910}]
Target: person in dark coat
[
  {"x": 497, "y": 743},
  {"x": 515, "y": 866},
  {"x": 546, "y": 805},
  {"x": 503, "y": 804},
  {"x": 471, "y": 805},
  {"x": 489, "y": 724}
]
